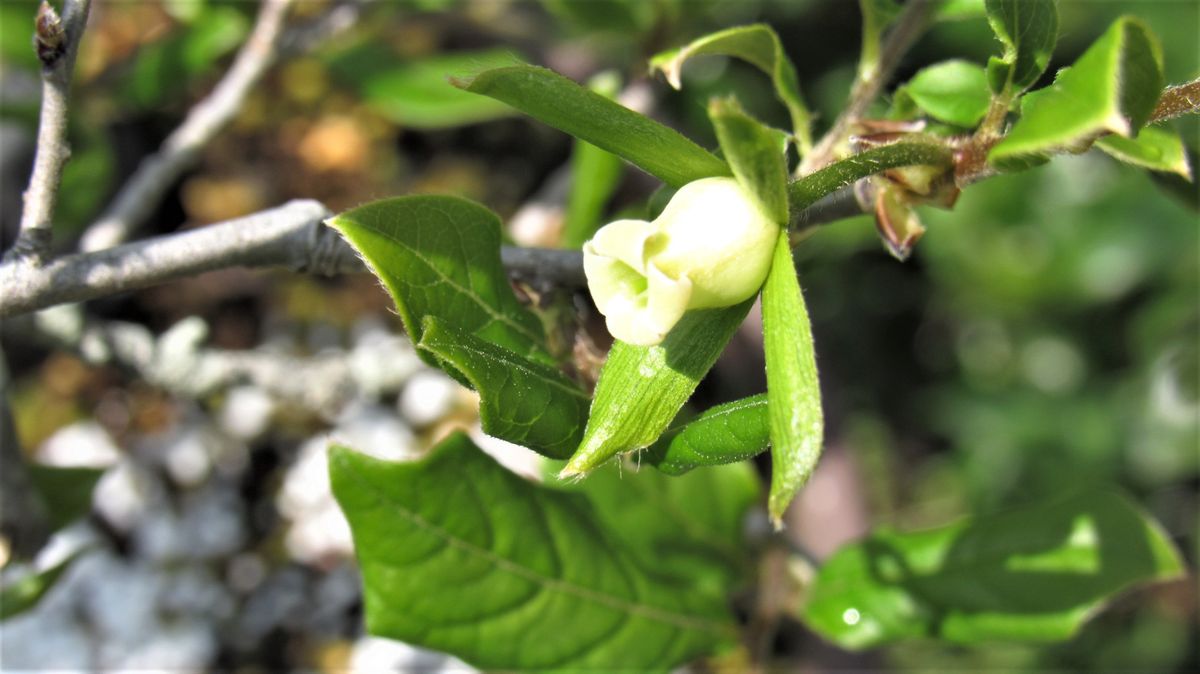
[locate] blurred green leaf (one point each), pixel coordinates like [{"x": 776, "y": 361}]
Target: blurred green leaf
[
  {"x": 1157, "y": 148},
  {"x": 419, "y": 95},
  {"x": 957, "y": 10},
  {"x": 723, "y": 434},
  {"x": 624, "y": 16},
  {"x": 460, "y": 555},
  {"x": 26, "y": 591},
  {"x": 594, "y": 177},
  {"x": 524, "y": 402},
  {"x": 689, "y": 527},
  {"x": 1028, "y": 29},
  {"x": 440, "y": 256},
  {"x": 758, "y": 45},
  {"x": 1113, "y": 87},
  {"x": 793, "y": 390},
  {"x": 754, "y": 154},
  {"x": 163, "y": 69},
  {"x": 16, "y": 34},
  {"x": 67, "y": 492},
  {"x": 955, "y": 92},
  {"x": 1028, "y": 575},
  {"x": 555, "y": 100},
  {"x": 642, "y": 388}
]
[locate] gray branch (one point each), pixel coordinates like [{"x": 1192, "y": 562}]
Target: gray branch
[
  {"x": 146, "y": 187},
  {"x": 292, "y": 236},
  {"x": 57, "y": 43}
]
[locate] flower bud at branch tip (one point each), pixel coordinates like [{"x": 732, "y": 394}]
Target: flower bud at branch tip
[{"x": 711, "y": 247}]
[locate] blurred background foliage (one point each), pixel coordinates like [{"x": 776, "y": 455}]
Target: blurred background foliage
[{"x": 1043, "y": 337}]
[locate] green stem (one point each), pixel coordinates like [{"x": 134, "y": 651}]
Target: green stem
[{"x": 804, "y": 192}]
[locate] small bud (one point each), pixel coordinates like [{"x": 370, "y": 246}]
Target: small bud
[
  {"x": 897, "y": 222},
  {"x": 711, "y": 247},
  {"x": 49, "y": 39}
]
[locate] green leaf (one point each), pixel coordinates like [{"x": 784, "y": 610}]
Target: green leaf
[
  {"x": 955, "y": 92},
  {"x": 419, "y": 95},
  {"x": 793, "y": 391},
  {"x": 731, "y": 432},
  {"x": 754, "y": 155},
  {"x": 555, "y": 100},
  {"x": 594, "y": 177},
  {"x": 26, "y": 591},
  {"x": 1156, "y": 148},
  {"x": 758, "y": 45},
  {"x": 691, "y": 527},
  {"x": 1028, "y": 29},
  {"x": 1028, "y": 575},
  {"x": 460, "y": 555},
  {"x": 67, "y": 492},
  {"x": 521, "y": 401},
  {"x": 440, "y": 256},
  {"x": 1113, "y": 87},
  {"x": 641, "y": 388}
]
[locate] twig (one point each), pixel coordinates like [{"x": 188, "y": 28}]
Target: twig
[
  {"x": 292, "y": 236},
  {"x": 1176, "y": 101},
  {"x": 146, "y": 187},
  {"x": 23, "y": 517},
  {"x": 289, "y": 236},
  {"x": 904, "y": 33},
  {"x": 57, "y": 42}
]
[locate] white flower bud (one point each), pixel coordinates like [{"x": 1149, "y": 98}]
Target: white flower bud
[{"x": 711, "y": 247}]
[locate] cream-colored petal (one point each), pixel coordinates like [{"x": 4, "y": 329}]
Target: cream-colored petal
[
  {"x": 667, "y": 298},
  {"x": 623, "y": 240}
]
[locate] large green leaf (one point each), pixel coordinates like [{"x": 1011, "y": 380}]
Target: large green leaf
[
  {"x": 418, "y": 94},
  {"x": 1155, "y": 147},
  {"x": 641, "y": 388},
  {"x": 690, "y": 527},
  {"x": 521, "y": 401},
  {"x": 1113, "y": 87},
  {"x": 755, "y": 156},
  {"x": 555, "y": 100},
  {"x": 595, "y": 174},
  {"x": 1028, "y": 575},
  {"x": 723, "y": 434},
  {"x": 461, "y": 555},
  {"x": 758, "y": 45},
  {"x": 793, "y": 391},
  {"x": 1028, "y": 29},
  {"x": 955, "y": 92},
  {"x": 440, "y": 256}
]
